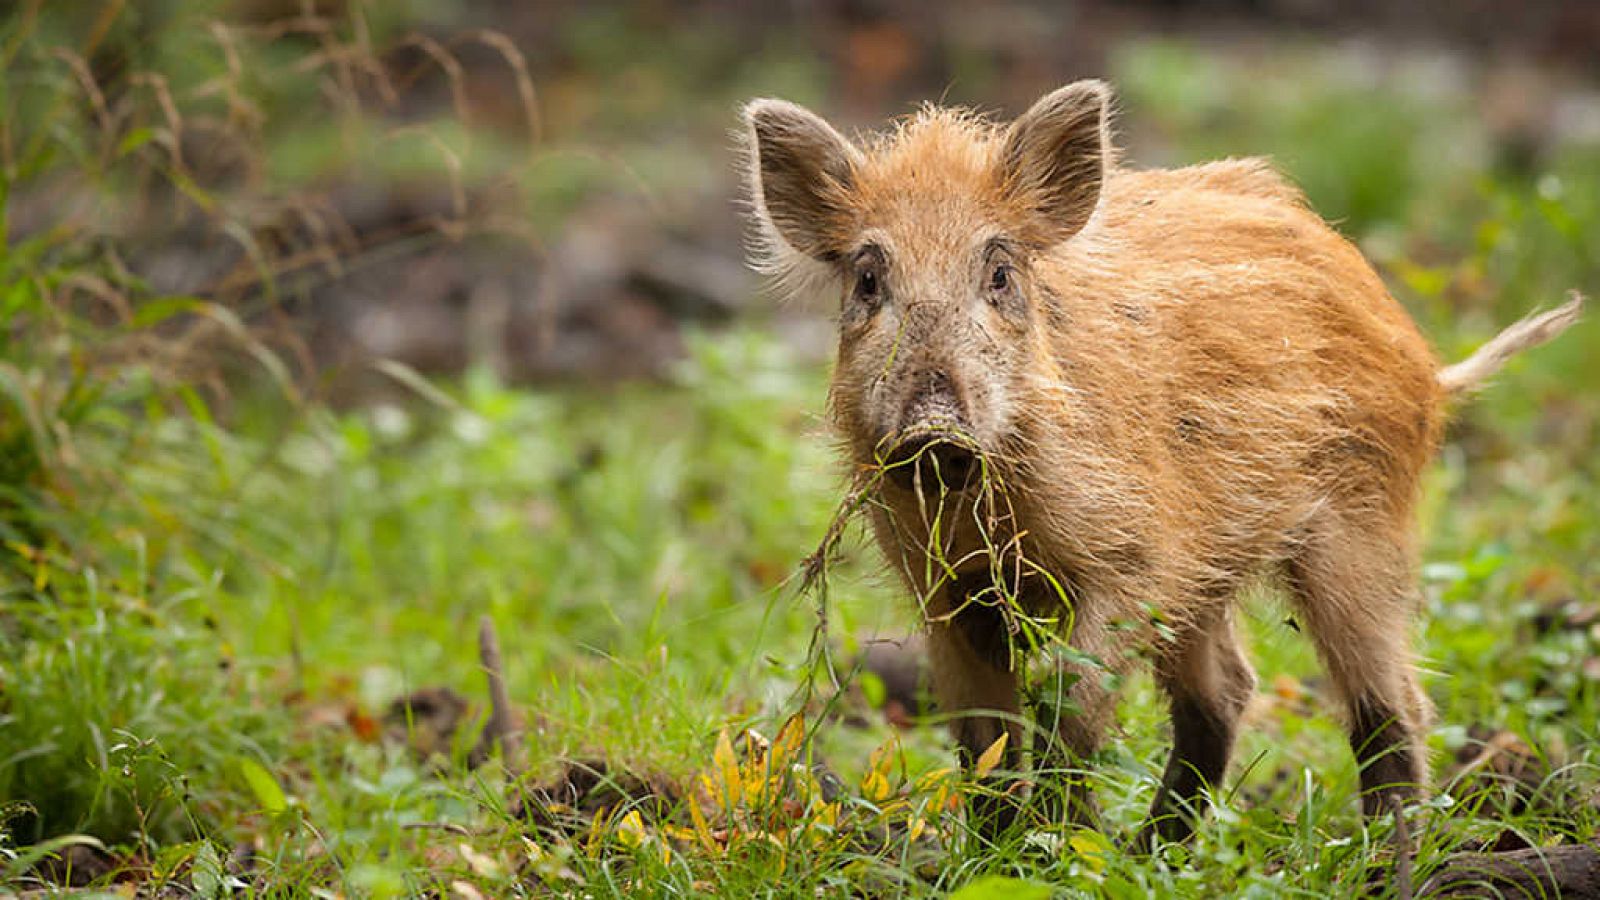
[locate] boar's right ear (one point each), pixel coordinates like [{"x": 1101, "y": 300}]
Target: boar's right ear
[
  {"x": 800, "y": 172},
  {"x": 1055, "y": 155}
]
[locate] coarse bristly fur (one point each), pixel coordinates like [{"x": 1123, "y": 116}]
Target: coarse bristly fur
[{"x": 1112, "y": 398}]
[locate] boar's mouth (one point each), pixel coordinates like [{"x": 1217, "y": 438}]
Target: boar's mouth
[{"x": 937, "y": 459}]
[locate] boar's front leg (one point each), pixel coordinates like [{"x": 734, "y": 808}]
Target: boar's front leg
[
  {"x": 976, "y": 686},
  {"x": 1209, "y": 682}
]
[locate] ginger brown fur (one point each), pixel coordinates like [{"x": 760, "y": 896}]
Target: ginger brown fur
[{"x": 1141, "y": 391}]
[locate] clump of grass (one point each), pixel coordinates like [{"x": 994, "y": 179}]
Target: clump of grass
[
  {"x": 127, "y": 527},
  {"x": 121, "y": 717}
]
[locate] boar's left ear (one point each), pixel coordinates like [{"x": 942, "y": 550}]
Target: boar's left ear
[
  {"x": 800, "y": 173},
  {"x": 1055, "y": 155}
]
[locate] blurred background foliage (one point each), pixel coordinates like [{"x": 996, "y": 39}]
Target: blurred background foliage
[{"x": 327, "y": 327}]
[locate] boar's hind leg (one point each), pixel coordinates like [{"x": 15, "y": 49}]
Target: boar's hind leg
[
  {"x": 1209, "y": 681},
  {"x": 975, "y": 686},
  {"x": 1354, "y": 588}
]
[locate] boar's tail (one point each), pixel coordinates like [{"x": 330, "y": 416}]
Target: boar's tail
[{"x": 1470, "y": 374}]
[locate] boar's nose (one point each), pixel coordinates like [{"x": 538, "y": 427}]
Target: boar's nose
[
  {"x": 935, "y": 398},
  {"x": 931, "y": 444},
  {"x": 936, "y": 459}
]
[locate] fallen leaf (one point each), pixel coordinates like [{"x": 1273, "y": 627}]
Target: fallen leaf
[
  {"x": 875, "y": 784},
  {"x": 786, "y": 747},
  {"x": 727, "y": 765},
  {"x": 991, "y": 756},
  {"x": 701, "y": 829}
]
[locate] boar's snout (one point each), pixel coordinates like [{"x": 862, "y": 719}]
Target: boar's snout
[
  {"x": 933, "y": 440},
  {"x": 934, "y": 404}
]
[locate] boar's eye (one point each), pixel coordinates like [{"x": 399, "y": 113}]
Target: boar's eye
[
  {"x": 1000, "y": 279},
  {"x": 867, "y": 286},
  {"x": 1002, "y": 284},
  {"x": 868, "y": 290},
  {"x": 868, "y": 293}
]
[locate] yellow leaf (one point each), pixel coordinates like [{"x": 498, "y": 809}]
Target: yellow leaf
[
  {"x": 728, "y": 767},
  {"x": 630, "y": 829},
  {"x": 758, "y": 789},
  {"x": 679, "y": 833},
  {"x": 940, "y": 785},
  {"x": 723, "y": 754},
  {"x": 1091, "y": 847},
  {"x": 824, "y": 823},
  {"x": 829, "y": 814},
  {"x": 701, "y": 829},
  {"x": 715, "y": 789},
  {"x": 787, "y": 745},
  {"x": 918, "y": 826},
  {"x": 875, "y": 784},
  {"x": 991, "y": 756},
  {"x": 875, "y": 787}
]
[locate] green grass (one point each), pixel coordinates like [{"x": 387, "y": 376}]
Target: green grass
[
  {"x": 210, "y": 599},
  {"x": 626, "y": 545}
]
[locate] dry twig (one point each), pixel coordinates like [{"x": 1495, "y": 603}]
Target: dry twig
[{"x": 502, "y": 726}]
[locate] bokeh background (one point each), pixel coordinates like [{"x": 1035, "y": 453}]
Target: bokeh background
[
  {"x": 547, "y": 189},
  {"x": 330, "y": 327}
]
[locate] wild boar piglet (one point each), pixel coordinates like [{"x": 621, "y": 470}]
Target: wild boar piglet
[{"x": 1113, "y": 398}]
